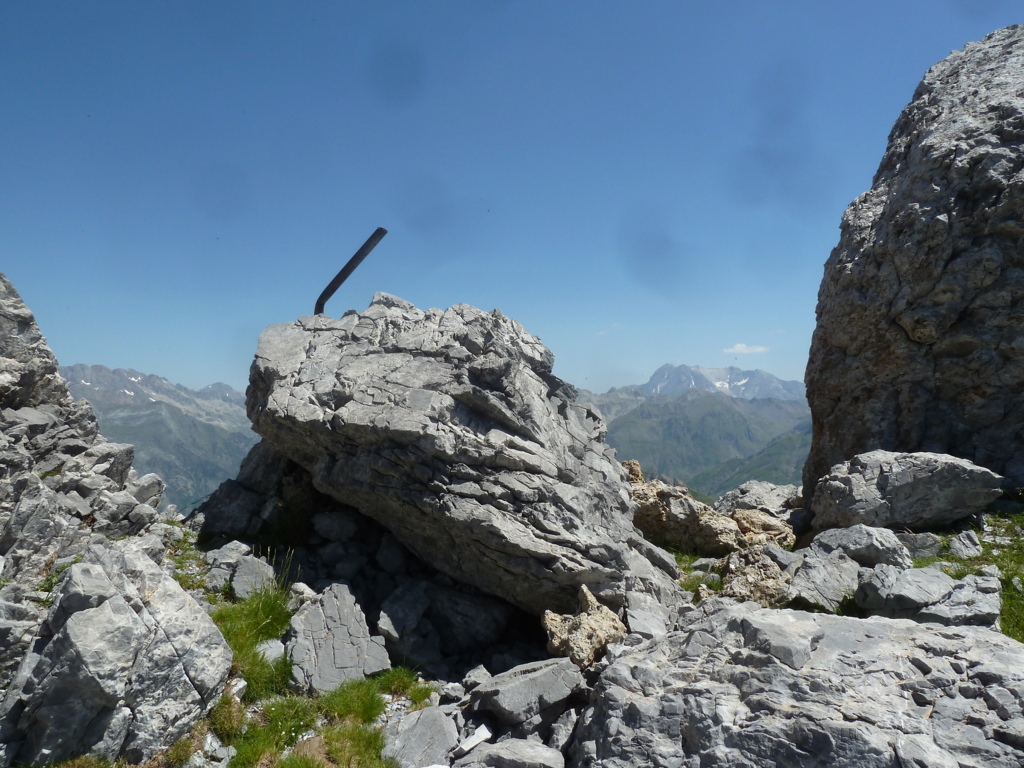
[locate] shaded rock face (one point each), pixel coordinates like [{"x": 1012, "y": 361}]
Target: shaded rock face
[
  {"x": 100, "y": 650},
  {"x": 918, "y": 339},
  {"x": 747, "y": 686},
  {"x": 449, "y": 429}
]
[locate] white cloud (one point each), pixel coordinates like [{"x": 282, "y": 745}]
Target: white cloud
[
  {"x": 743, "y": 349},
  {"x": 601, "y": 333}
]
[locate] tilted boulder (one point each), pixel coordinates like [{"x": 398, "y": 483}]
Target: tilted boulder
[
  {"x": 449, "y": 429},
  {"x": 747, "y": 686},
  {"x": 915, "y": 491},
  {"x": 918, "y": 338}
]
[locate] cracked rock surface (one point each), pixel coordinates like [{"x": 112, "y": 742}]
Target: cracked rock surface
[
  {"x": 100, "y": 649},
  {"x": 747, "y": 686},
  {"x": 918, "y": 344},
  {"x": 448, "y": 428}
]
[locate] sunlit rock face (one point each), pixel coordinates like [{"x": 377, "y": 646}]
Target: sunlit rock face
[
  {"x": 919, "y": 343},
  {"x": 448, "y": 428}
]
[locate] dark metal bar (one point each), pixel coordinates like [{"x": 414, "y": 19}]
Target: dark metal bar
[{"x": 348, "y": 269}]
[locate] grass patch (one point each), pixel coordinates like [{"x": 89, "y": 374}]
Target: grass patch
[
  {"x": 356, "y": 746},
  {"x": 246, "y": 624},
  {"x": 357, "y": 700},
  {"x": 226, "y": 719},
  {"x": 299, "y": 761},
  {"x": 179, "y": 752},
  {"x": 1008, "y": 556}
]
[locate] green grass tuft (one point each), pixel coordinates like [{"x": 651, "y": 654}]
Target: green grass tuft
[
  {"x": 356, "y": 746},
  {"x": 289, "y": 718},
  {"x": 357, "y": 700},
  {"x": 226, "y": 719},
  {"x": 299, "y": 761},
  {"x": 262, "y": 616}
]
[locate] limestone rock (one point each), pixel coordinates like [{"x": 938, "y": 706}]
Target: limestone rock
[
  {"x": 918, "y": 338},
  {"x": 868, "y": 546},
  {"x": 132, "y": 664},
  {"x": 124, "y": 662},
  {"x": 824, "y": 581},
  {"x": 583, "y": 636},
  {"x": 753, "y": 574},
  {"x": 515, "y": 753},
  {"x": 755, "y": 687},
  {"x": 329, "y": 643},
  {"x": 929, "y": 594},
  {"x": 765, "y": 497},
  {"x": 910, "y": 490},
  {"x": 421, "y": 738},
  {"x": 523, "y": 692},
  {"x": 448, "y": 428}
]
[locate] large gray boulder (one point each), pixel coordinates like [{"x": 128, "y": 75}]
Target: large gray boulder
[
  {"x": 918, "y": 338},
  {"x": 747, "y": 686},
  {"x": 915, "y": 491},
  {"x": 449, "y": 429}
]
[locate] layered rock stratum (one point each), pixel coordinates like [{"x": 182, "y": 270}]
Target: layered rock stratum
[{"x": 918, "y": 344}]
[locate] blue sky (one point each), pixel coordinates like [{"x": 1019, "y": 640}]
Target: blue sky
[{"x": 638, "y": 183}]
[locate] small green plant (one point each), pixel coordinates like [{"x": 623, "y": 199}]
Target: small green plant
[
  {"x": 83, "y": 761},
  {"x": 226, "y": 719},
  {"x": 52, "y": 472},
  {"x": 356, "y": 746},
  {"x": 262, "y": 616},
  {"x": 294, "y": 760},
  {"x": 284, "y": 720},
  {"x": 357, "y": 700},
  {"x": 179, "y": 752},
  {"x": 402, "y": 681},
  {"x": 290, "y": 717}
]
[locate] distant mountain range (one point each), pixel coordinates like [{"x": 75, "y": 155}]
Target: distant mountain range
[
  {"x": 710, "y": 428},
  {"x": 193, "y": 439}
]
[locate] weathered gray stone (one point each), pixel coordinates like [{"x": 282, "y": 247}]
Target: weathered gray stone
[
  {"x": 921, "y": 544},
  {"x": 134, "y": 662},
  {"x": 824, "y": 581},
  {"x": 911, "y": 490},
  {"x": 965, "y": 545},
  {"x": 515, "y": 753},
  {"x": 765, "y": 497},
  {"x": 929, "y": 594},
  {"x": 421, "y": 738},
  {"x": 755, "y": 687},
  {"x": 233, "y": 565},
  {"x": 917, "y": 344},
  {"x": 448, "y": 428},
  {"x": 124, "y": 662},
  {"x": 868, "y": 546},
  {"x": 525, "y": 691},
  {"x": 329, "y": 643}
]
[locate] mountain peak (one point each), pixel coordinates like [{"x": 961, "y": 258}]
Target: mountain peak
[{"x": 748, "y": 385}]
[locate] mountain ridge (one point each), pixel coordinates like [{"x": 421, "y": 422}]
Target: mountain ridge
[{"x": 193, "y": 439}]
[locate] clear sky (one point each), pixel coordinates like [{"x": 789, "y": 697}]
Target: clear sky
[{"x": 638, "y": 183}]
